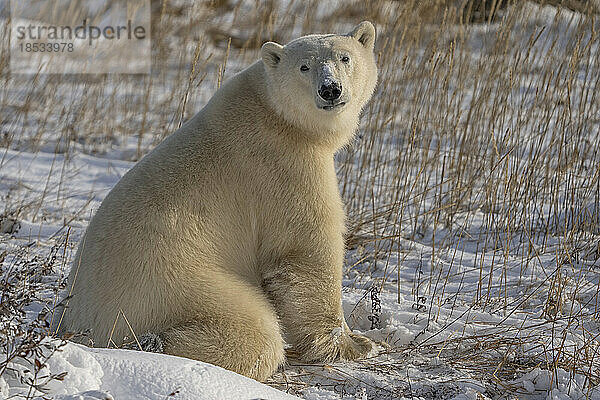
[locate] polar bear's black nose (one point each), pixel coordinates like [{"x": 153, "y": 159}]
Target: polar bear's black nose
[{"x": 331, "y": 91}]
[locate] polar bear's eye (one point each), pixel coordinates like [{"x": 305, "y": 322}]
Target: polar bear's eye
[
  {"x": 304, "y": 68},
  {"x": 345, "y": 59}
]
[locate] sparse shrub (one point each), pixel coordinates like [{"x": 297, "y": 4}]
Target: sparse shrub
[{"x": 28, "y": 288}]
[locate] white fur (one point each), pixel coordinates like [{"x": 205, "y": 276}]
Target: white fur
[{"x": 228, "y": 237}]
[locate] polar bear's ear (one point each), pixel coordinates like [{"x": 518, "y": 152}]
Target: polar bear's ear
[
  {"x": 364, "y": 33},
  {"x": 271, "y": 53}
]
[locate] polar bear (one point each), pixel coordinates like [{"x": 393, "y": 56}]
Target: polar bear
[{"x": 227, "y": 239}]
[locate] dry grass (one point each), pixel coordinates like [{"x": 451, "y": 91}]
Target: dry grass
[{"x": 482, "y": 139}]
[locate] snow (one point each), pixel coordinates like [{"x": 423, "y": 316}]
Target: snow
[{"x": 94, "y": 374}]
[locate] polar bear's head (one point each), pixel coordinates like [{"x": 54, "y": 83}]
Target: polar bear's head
[{"x": 321, "y": 82}]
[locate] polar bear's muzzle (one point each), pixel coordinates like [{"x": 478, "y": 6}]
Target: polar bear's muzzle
[
  {"x": 330, "y": 96},
  {"x": 330, "y": 93},
  {"x": 334, "y": 106}
]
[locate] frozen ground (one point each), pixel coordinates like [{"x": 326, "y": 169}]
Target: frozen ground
[{"x": 496, "y": 299}]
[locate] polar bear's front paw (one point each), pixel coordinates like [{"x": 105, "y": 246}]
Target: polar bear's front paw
[
  {"x": 337, "y": 345},
  {"x": 356, "y": 346}
]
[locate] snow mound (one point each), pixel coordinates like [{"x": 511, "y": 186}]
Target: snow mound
[{"x": 107, "y": 374}]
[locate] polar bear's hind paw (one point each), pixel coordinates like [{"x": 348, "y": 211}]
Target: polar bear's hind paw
[{"x": 149, "y": 342}]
